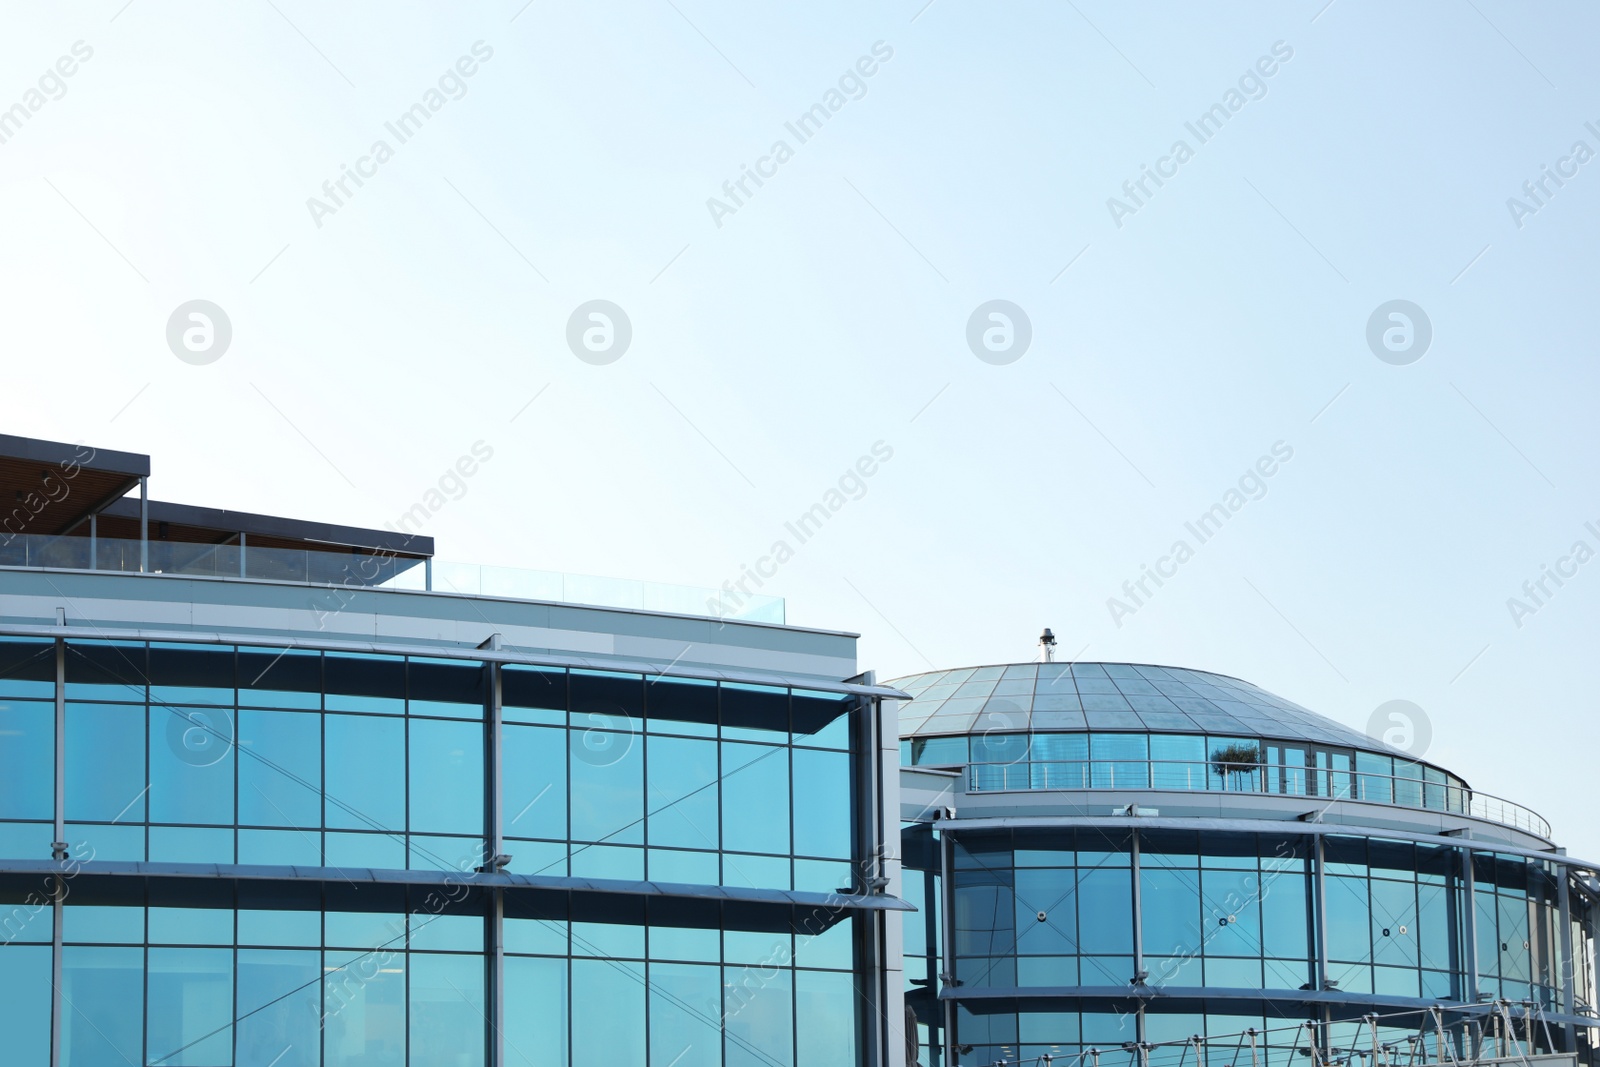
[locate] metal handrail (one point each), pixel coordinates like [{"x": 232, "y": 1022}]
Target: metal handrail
[{"x": 1267, "y": 778}]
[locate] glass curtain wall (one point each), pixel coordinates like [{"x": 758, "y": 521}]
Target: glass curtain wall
[
  {"x": 326, "y": 762},
  {"x": 1049, "y": 913}
]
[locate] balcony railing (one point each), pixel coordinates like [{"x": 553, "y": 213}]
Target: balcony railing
[
  {"x": 1254, "y": 778},
  {"x": 380, "y": 571},
  {"x": 482, "y": 580},
  {"x": 212, "y": 561}
]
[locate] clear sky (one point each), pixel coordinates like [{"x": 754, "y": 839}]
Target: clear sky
[{"x": 959, "y": 153}]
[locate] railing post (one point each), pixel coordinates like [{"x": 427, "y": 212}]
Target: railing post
[{"x": 144, "y": 525}]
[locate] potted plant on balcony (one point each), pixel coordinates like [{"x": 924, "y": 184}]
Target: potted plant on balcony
[{"x": 1238, "y": 757}]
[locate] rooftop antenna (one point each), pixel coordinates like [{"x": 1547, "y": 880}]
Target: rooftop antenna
[{"x": 1047, "y": 641}]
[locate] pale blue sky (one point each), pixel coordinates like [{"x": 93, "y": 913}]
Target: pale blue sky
[{"x": 830, "y": 311}]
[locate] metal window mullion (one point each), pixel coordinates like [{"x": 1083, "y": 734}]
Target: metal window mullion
[
  {"x": 1568, "y": 964},
  {"x": 144, "y": 525},
  {"x": 947, "y": 948},
  {"x": 1138, "y": 923},
  {"x": 58, "y": 904},
  {"x": 1319, "y": 904},
  {"x": 876, "y": 1038},
  {"x": 494, "y": 975},
  {"x": 1469, "y": 914}
]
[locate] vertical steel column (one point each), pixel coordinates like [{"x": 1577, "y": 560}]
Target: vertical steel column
[
  {"x": 947, "y": 942},
  {"x": 1138, "y": 933},
  {"x": 244, "y": 549},
  {"x": 57, "y": 849},
  {"x": 59, "y": 841},
  {"x": 870, "y": 860},
  {"x": 495, "y": 844},
  {"x": 144, "y": 525},
  {"x": 1319, "y": 905},
  {"x": 1569, "y": 991},
  {"x": 1319, "y": 892},
  {"x": 94, "y": 536},
  {"x": 1138, "y": 919},
  {"x": 1469, "y": 925},
  {"x": 427, "y": 574}
]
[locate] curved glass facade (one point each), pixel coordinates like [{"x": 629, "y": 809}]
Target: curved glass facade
[
  {"x": 272, "y": 858},
  {"x": 1057, "y": 920}
]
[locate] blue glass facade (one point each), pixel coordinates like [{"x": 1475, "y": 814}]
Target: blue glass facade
[
  {"x": 274, "y": 855},
  {"x": 1174, "y": 897}
]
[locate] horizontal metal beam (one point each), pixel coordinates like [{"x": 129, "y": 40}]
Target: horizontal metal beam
[
  {"x": 107, "y": 632},
  {"x": 125, "y": 870}
]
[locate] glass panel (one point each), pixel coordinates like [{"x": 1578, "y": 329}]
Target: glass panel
[
  {"x": 27, "y": 668},
  {"x": 1231, "y": 914},
  {"x": 822, "y": 804},
  {"x": 1119, "y": 761},
  {"x": 25, "y": 1003},
  {"x": 533, "y": 694},
  {"x": 1349, "y": 930},
  {"x": 534, "y": 767},
  {"x": 755, "y": 798},
  {"x": 191, "y": 765},
  {"x": 190, "y": 1010},
  {"x": 607, "y": 776},
  {"x": 280, "y": 768},
  {"x": 821, "y": 720},
  {"x": 191, "y": 674},
  {"x": 1104, "y": 898},
  {"x": 999, "y": 748},
  {"x": 278, "y": 1006},
  {"x": 281, "y": 848},
  {"x": 1375, "y": 784},
  {"x": 938, "y": 751},
  {"x": 1394, "y": 923},
  {"x": 684, "y": 868},
  {"x": 367, "y": 683},
  {"x": 606, "y": 702},
  {"x": 685, "y": 1028},
  {"x": 681, "y": 706},
  {"x": 105, "y": 1024},
  {"x": 1235, "y": 763},
  {"x": 608, "y": 1009},
  {"x": 1170, "y": 901},
  {"x": 447, "y": 1010},
  {"x": 452, "y": 688},
  {"x": 826, "y": 1006},
  {"x": 1178, "y": 761},
  {"x": 191, "y": 926},
  {"x": 1046, "y": 920},
  {"x": 364, "y": 792},
  {"x": 1408, "y": 783},
  {"x": 755, "y": 712},
  {"x": 536, "y": 1031},
  {"x": 758, "y": 1018},
  {"x": 280, "y": 678},
  {"x": 105, "y": 762},
  {"x": 105, "y": 670},
  {"x": 446, "y": 776},
  {"x": 28, "y": 760},
  {"x": 682, "y": 792},
  {"x": 364, "y": 1007}
]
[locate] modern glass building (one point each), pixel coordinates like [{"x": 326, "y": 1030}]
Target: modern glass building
[
  {"x": 1153, "y": 866},
  {"x": 261, "y": 807}
]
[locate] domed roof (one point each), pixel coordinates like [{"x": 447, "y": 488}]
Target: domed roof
[{"x": 1106, "y": 697}]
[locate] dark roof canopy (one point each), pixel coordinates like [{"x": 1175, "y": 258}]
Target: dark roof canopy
[
  {"x": 47, "y": 487},
  {"x": 51, "y": 489}
]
